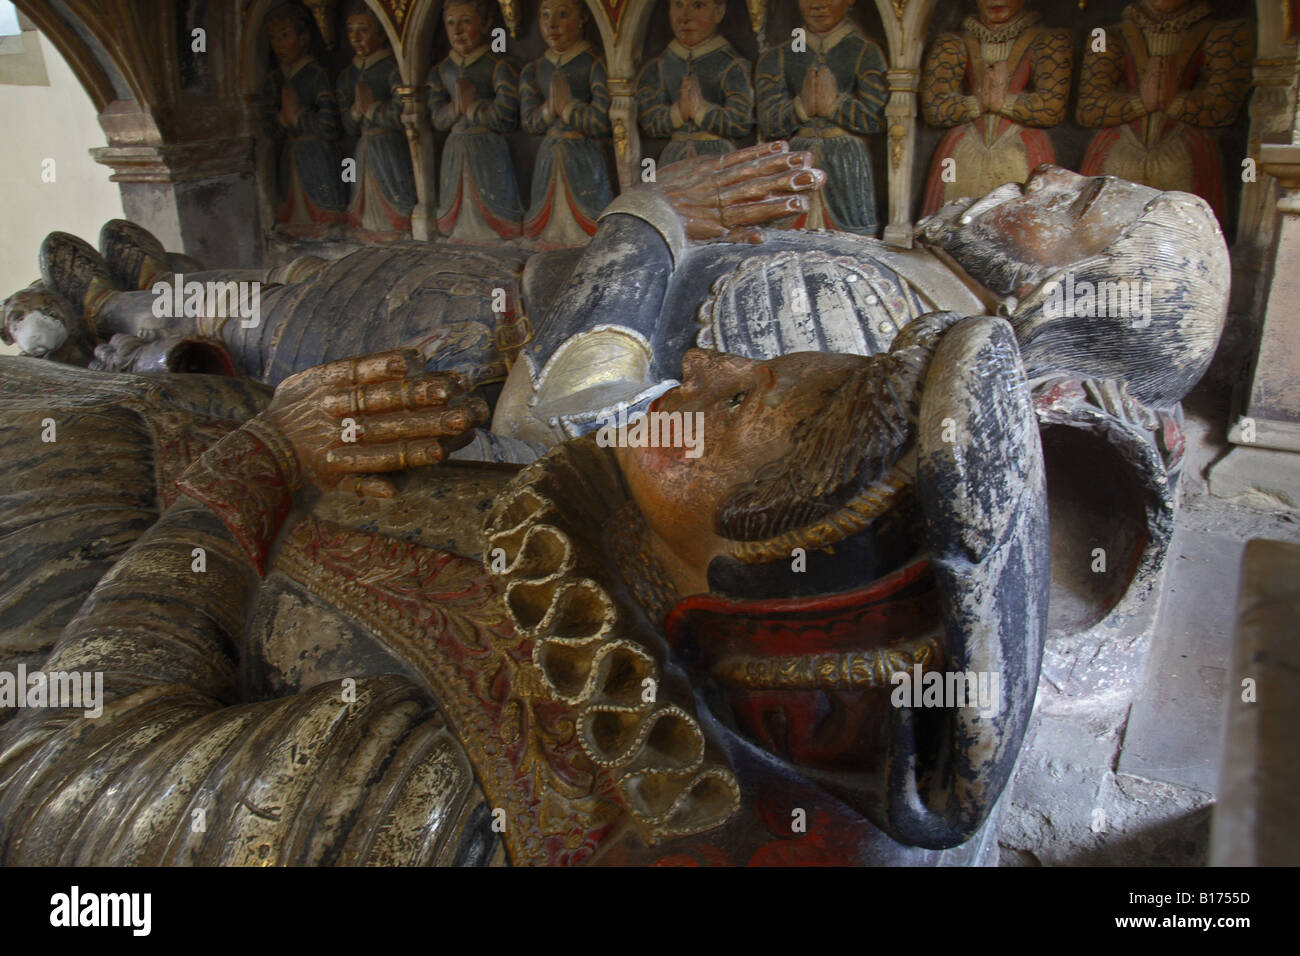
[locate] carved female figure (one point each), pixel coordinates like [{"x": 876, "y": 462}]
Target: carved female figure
[
  {"x": 563, "y": 96},
  {"x": 1169, "y": 75},
  {"x": 698, "y": 90},
  {"x": 301, "y": 116},
  {"x": 474, "y": 93},
  {"x": 824, "y": 91},
  {"x": 997, "y": 86},
  {"x": 385, "y": 185}
]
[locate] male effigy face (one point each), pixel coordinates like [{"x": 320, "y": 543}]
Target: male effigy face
[
  {"x": 561, "y": 22},
  {"x": 465, "y": 27},
  {"x": 1166, "y": 7},
  {"x": 694, "y": 21},
  {"x": 287, "y": 42},
  {"x": 364, "y": 34},
  {"x": 823, "y": 16},
  {"x": 749, "y": 419}
]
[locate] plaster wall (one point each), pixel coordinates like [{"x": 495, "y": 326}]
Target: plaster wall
[{"x": 54, "y": 121}]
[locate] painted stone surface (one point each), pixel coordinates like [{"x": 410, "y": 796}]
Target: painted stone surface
[
  {"x": 890, "y": 508},
  {"x": 565, "y": 98},
  {"x": 998, "y": 86},
  {"x": 1169, "y": 77},
  {"x": 698, "y": 92}
]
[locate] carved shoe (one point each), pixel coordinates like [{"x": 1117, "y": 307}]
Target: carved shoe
[
  {"x": 134, "y": 255},
  {"x": 73, "y": 268}
]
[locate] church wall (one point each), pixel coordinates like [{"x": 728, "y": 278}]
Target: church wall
[{"x": 55, "y": 121}]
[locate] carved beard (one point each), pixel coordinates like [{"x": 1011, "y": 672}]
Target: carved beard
[{"x": 850, "y": 460}]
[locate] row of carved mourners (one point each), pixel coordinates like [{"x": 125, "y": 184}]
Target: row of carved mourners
[
  {"x": 1154, "y": 85},
  {"x": 880, "y": 471}
]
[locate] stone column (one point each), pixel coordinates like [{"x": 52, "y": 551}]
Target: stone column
[
  {"x": 197, "y": 197},
  {"x": 419, "y": 133},
  {"x": 627, "y": 136},
  {"x": 1267, "y": 457},
  {"x": 900, "y": 127}
]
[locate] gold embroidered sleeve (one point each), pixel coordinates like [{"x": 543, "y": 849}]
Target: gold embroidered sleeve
[
  {"x": 1104, "y": 99},
  {"x": 942, "y": 101},
  {"x": 247, "y": 479},
  {"x": 1224, "y": 80},
  {"x": 1043, "y": 104},
  {"x": 167, "y": 772}
]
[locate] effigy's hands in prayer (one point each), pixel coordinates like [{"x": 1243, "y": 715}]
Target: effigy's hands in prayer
[
  {"x": 994, "y": 87},
  {"x": 377, "y": 413},
  {"x": 690, "y": 101},
  {"x": 463, "y": 96},
  {"x": 808, "y": 91},
  {"x": 1158, "y": 84},
  {"x": 365, "y": 97},
  {"x": 561, "y": 96},
  {"x": 826, "y": 91},
  {"x": 730, "y": 196},
  {"x": 290, "y": 106}
]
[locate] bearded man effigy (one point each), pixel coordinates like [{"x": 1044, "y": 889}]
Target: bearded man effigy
[{"x": 613, "y": 656}]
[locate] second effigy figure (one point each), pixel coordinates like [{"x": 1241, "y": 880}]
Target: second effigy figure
[
  {"x": 564, "y": 97},
  {"x": 998, "y": 85},
  {"x": 474, "y": 94},
  {"x": 698, "y": 90},
  {"x": 825, "y": 90},
  {"x": 384, "y": 193}
]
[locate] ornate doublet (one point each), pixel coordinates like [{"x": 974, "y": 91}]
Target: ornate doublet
[
  {"x": 1208, "y": 63},
  {"x": 478, "y": 197},
  {"x": 990, "y": 149},
  {"x": 385, "y": 186},
  {"x": 848, "y": 200},
  {"x": 570, "y": 182},
  {"x": 311, "y": 190},
  {"x": 725, "y": 86}
]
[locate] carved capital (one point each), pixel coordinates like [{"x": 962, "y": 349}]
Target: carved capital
[
  {"x": 622, "y": 86},
  {"x": 904, "y": 81},
  {"x": 413, "y": 100},
  {"x": 177, "y": 163},
  {"x": 1282, "y": 162}
]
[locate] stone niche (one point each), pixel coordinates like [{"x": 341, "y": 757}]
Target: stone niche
[{"x": 630, "y": 32}]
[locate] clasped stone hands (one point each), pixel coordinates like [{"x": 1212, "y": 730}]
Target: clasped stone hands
[
  {"x": 1158, "y": 84},
  {"x": 690, "y": 101},
  {"x": 365, "y": 97},
  {"x": 290, "y": 106},
  {"x": 464, "y": 96},
  {"x": 991, "y": 86},
  {"x": 398, "y": 416},
  {"x": 560, "y": 94},
  {"x": 729, "y": 196},
  {"x": 819, "y": 91}
]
